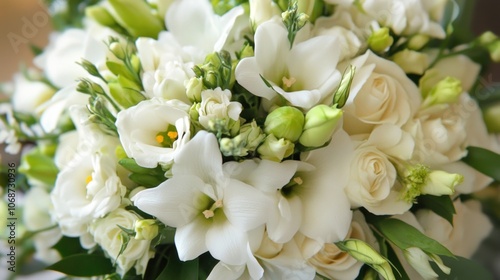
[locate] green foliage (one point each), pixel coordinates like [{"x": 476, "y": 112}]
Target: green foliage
[
  {"x": 463, "y": 269},
  {"x": 441, "y": 205},
  {"x": 484, "y": 161},
  {"x": 66, "y": 14},
  {"x": 147, "y": 177},
  {"x": 84, "y": 265}
]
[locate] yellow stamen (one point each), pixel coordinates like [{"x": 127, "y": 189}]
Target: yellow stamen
[
  {"x": 288, "y": 82},
  {"x": 172, "y": 134},
  {"x": 209, "y": 213},
  {"x": 88, "y": 179},
  {"x": 160, "y": 138},
  {"x": 298, "y": 180}
]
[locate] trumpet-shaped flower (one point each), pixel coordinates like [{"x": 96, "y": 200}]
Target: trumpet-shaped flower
[{"x": 303, "y": 75}]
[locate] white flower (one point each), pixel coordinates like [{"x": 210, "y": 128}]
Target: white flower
[
  {"x": 262, "y": 10},
  {"x": 196, "y": 27},
  {"x": 36, "y": 216},
  {"x": 107, "y": 234},
  {"x": 381, "y": 93},
  {"x": 469, "y": 224},
  {"x": 156, "y": 140},
  {"x": 29, "y": 95},
  {"x": 217, "y": 104},
  {"x": 333, "y": 263},
  {"x": 304, "y": 74},
  {"x": 211, "y": 211},
  {"x": 373, "y": 184},
  {"x": 407, "y": 17},
  {"x": 347, "y": 40}
]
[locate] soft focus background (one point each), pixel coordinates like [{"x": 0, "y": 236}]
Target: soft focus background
[{"x": 26, "y": 22}]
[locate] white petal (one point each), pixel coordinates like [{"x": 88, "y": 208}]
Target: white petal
[
  {"x": 287, "y": 221},
  {"x": 226, "y": 272},
  {"x": 190, "y": 239},
  {"x": 247, "y": 74},
  {"x": 226, "y": 242},
  {"x": 271, "y": 48}
]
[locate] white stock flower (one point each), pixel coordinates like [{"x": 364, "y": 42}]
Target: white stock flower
[
  {"x": 155, "y": 140},
  {"x": 470, "y": 227},
  {"x": 336, "y": 264},
  {"x": 381, "y": 93},
  {"x": 211, "y": 211},
  {"x": 373, "y": 184},
  {"x": 29, "y": 95},
  {"x": 217, "y": 104},
  {"x": 407, "y": 17},
  {"x": 107, "y": 234},
  {"x": 304, "y": 74}
]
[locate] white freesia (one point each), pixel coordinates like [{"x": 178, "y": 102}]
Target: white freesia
[
  {"x": 262, "y": 10},
  {"x": 211, "y": 211},
  {"x": 348, "y": 42},
  {"x": 304, "y": 74},
  {"x": 407, "y": 17},
  {"x": 29, "y": 95},
  {"x": 469, "y": 224},
  {"x": 108, "y": 235},
  {"x": 217, "y": 105},
  {"x": 336, "y": 264},
  {"x": 381, "y": 93},
  {"x": 36, "y": 217},
  {"x": 142, "y": 140},
  {"x": 373, "y": 184}
]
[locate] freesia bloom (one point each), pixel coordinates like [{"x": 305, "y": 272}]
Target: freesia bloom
[{"x": 304, "y": 74}]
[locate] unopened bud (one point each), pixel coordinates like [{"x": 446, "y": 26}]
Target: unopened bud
[
  {"x": 487, "y": 38},
  {"x": 275, "y": 149},
  {"x": 412, "y": 62},
  {"x": 101, "y": 15},
  {"x": 117, "y": 50},
  {"x": 418, "y": 41},
  {"x": 492, "y": 118},
  {"x": 145, "y": 229},
  {"x": 494, "y": 49},
  {"x": 446, "y": 91},
  {"x": 380, "y": 40},
  {"x": 285, "y": 122},
  {"x": 320, "y": 123},
  {"x": 441, "y": 183},
  {"x": 193, "y": 89}
]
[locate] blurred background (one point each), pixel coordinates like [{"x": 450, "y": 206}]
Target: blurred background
[{"x": 25, "y": 22}]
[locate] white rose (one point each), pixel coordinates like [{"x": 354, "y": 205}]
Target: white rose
[
  {"x": 155, "y": 141},
  {"x": 333, "y": 263},
  {"x": 381, "y": 93},
  {"x": 217, "y": 104},
  {"x": 470, "y": 227},
  {"x": 29, "y": 95},
  {"x": 348, "y": 42},
  {"x": 107, "y": 234},
  {"x": 373, "y": 184},
  {"x": 36, "y": 216}
]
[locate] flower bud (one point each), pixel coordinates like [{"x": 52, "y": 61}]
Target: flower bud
[
  {"x": 446, "y": 91},
  {"x": 193, "y": 89},
  {"x": 380, "y": 40},
  {"x": 285, "y": 122},
  {"x": 441, "y": 183},
  {"x": 494, "y": 49},
  {"x": 136, "y": 17},
  {"x": 252, "y": 134},
  {"x": 419, "y": 260},
  {"x": 411, "y": 62},
  {"x": 145, "y": 229},
  {"x": 492, "y": 118},
  {"x": 117, "y": 50},
  {"x": 487, "y": 38},
  {"x": 320, "y": 123},
  {"x": 342, "y": 94},
  {"x": 246, "y": 51},
  {"x": 361, "y": 251},
  {"x": 418, "y": 41},
  {"x": 275, "y": 149},
  {"x": 101, "y": 15}
]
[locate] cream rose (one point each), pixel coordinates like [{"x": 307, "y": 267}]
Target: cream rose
[
  {"x": 107, "y": 234},
  {"x": 333, "y": 263},
  {"x": 470, "y": 227},
  {"x": 381, "y": 93},
  {"x": 373, "y": 184}
]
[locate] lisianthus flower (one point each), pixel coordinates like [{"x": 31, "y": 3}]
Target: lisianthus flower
[
  {"x": 304, "y": 74},
  {"x": 211, "y": 211},
  {"x": 155, "y": 141}
]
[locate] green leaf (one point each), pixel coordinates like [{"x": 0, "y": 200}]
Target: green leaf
[
  {"x": 406, "y": 236},
  {"x": 400, "y": 272},
  {"x": 484, "y": 161},
  {"x": 83, "y": 265},
  {"x": 145, "y": 180},
  {"x": 40, "y": 167},
  {"x": 119, "y": 69},
  {"x": 441, "y": 205},
  {"x": 463, "y": 269},
  {"x": 68, "y": 246},
  {"x": 177, "y": 269}
]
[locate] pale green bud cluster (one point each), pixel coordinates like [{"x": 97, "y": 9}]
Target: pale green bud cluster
[
  {"x": 294, "y": 20},
  {"x": 380, "y": 40},
  {"x": 491, "y": 42},
  {"x": 145, "y": 229},
  {"x": 445, "y": 91},
  {"x": 363, "y": 252},
  {"x": 216, "y": 71}
]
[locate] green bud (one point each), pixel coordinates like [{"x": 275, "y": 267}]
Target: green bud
[
  {"x": 487, "y": 38},
  {"x": 39, "y": 167},
  {"x": 47, "y": 148},
  {"x": 211, "y": 79},
  {"x": 145, "y": 229},
  {"x": 136, "y": 17},
  {"x": 194, "y": 114},
  {"x": 361, "y": 251},
  {"x": 441, "y": 183},
  {"x": 418, "y": 41},
  {"x": 446, "y": 91},
  {"x": 412, "y": 62},
  {"x": 342, "y": 93},
  {"x": 194, "y": 88},
  {"x": 492, "y": 118},
  {"x": 120, "y": 153},
  {"x": 233, "y": 146},
  {"x": 252, "y": 134},
  {"x": 125, "y": 96},
  {"x": 320, "y": 123},
  {"x": 101, "y": 15},
  {"x": 136, "y": 63},
  {"x": 494, "y": 49},
  {"x": 380, "y": 40},
  {"x": 90, "y": 68},
  {"x": 246, "y": 51},
  {"x": 384, "y": 270},
  {"x": 275, "y": 149},
  {"x": 285, "y": 122},
  {"x": 117, "y": 50}
]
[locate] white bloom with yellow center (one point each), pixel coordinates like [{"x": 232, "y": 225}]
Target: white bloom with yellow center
[
  {"x": 304, "y": 74},
  {"x": 154, "y": 141}
]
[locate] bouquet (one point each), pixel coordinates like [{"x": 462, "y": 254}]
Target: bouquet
[{"x": 196, "y": 139}]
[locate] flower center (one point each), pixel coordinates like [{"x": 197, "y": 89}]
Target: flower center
[
  {"x": 288, "y": 188},
  {"x": 209, "y": 213},
  {"x": 288, "y": 82},
  {"x": 88, "y": 179},
  {"x": 168, "y": 137}
]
